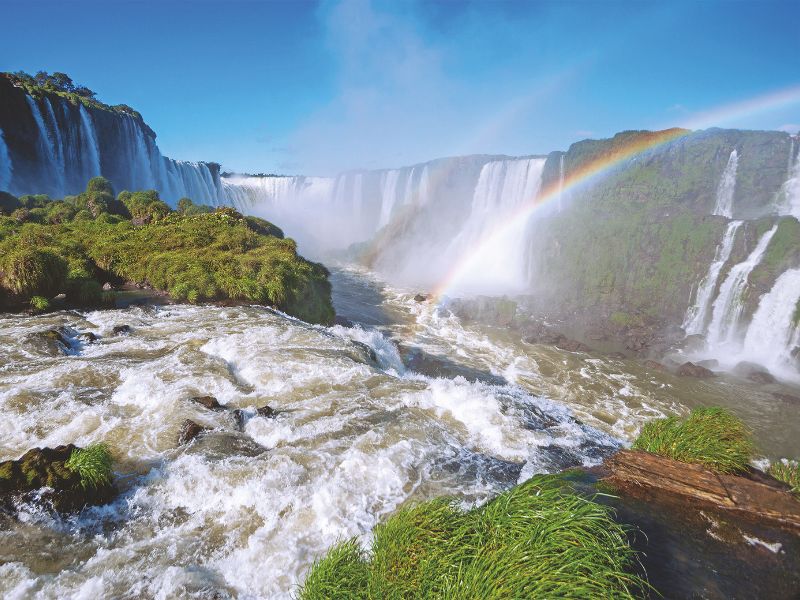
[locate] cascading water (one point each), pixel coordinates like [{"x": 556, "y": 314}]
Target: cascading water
[
  {"x": 724, "y": 326},
  {"x": 773, "y": 333},
  {"x": 58, "y": 145},
  {"x": 388, "y": 196},
  {"x": 89, "y": 136},
  {"x": 697, "y": 313},
  {"x": 791, "y": 189},
  {"x": 6, "y": 168},
  {"x": 503, "y": 186},
  {"x": 727, "y": 186},
  {"x": 45, "y": 142}
]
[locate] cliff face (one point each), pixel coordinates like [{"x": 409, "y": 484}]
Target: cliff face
[{"x": 53, "y": 143}]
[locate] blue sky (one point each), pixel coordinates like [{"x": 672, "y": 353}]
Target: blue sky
[{"x": 318, "y": 87}]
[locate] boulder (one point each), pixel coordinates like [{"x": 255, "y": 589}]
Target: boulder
[
  {"x": 57, "y": 340},
  {"x": 421, "y": 298},
  {"x": 654, "y": 365},
  {"x": 754, "y": 372},
  {"x": 43, "y": 474},
  {"x": 209, "y": 402},
  {"x": 266, "y": 411},
  {"x": 689, "y": 369},
  {"x": 87, "y": 337},
  {"x": 122, "y": 329},
  {"x": 189, "y": 431}
]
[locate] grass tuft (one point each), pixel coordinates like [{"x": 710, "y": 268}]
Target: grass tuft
[
  {"x": 537, "y": 540},
  {"x": 788, "y": 472},
  {"x": 711, "y": 437},
  {"x": 40, "y": 303},
  {"x": 94, "y": 464}
]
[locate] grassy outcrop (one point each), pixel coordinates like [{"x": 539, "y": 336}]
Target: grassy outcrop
[
  {"x": 76, "y": 245},
  {"x": 787, "y": 472},
  {"x": 711, "y": 437},
  {"x": 537, "y": 540}
]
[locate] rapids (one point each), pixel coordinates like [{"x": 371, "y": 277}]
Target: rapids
[{"x": 437, "y": 407}]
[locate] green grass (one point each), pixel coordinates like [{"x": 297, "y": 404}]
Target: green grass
[
  {"x": 94, "y": 464},
  {"x": 537, "y": 540},
  {"x": 711, "y": 437},
  {"x": 788, "y": 472},
  {"x": 40, "y": 303}
]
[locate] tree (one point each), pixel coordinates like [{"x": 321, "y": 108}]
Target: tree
[{"x": 184, "y": 204}]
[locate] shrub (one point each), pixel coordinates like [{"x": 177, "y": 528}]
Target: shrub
[
  {"x": 537, "y": 540},
  {"x": 788, "y": 472},
  {"x": 27, "y": 272},
  {"x": 712, "y": 437},
  {"x": 93, "y": 464},
  {"x": 40, "y": 303}
]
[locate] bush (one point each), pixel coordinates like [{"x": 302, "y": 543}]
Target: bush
[
  {"x": 28, "y": 272},
  {"x": 39, "y": 303},
  {"x": 788, "y": 472},
  {"x": 537, "y": 540},
  {"x": 711, "y": 437},
  {"x": 94, "y": 464}
]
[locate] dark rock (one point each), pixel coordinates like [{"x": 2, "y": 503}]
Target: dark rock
[
  {"x": 41, "y": 473},
  {"x": 689, "y": 369},
  {"x": 122, "y": 329},
  {"x": 754, "y": 372},
  {"x": 239, "y": 418},
  {"x": 367, "y": 351},
  {"x": 208, "y": 401},
  {"x": 57, "y": 339},
  {"x": 343, "y": 321},
  {"x": 421, "y": 298},
  {"x": 87, "y": 337},
  {"x": 189, "y": 431},
  {"x": 654, "y": 365},
  {"x": 266, "y": 411}
]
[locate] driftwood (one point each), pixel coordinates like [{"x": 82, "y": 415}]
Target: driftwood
[{"x": 756, "y": 496}]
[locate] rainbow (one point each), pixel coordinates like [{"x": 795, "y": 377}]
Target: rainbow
[{"x": 629, "y": 147}]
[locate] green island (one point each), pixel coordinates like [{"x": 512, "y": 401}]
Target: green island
[{"x": 76, "y": 245}]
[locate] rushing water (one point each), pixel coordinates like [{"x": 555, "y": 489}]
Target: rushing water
[
  {"x": 441, "y": 408},
  {"x": 727, "y": 186}
]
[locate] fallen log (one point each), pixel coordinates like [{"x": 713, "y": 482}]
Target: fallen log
[{"x": 754, "y": 496}]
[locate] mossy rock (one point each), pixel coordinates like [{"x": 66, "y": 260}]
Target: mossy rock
[{"x": 47, "y": 474}]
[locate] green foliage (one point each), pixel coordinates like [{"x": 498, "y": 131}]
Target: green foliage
[
  {"x": 712, "y": 437},
  {"x": 40, "y": 303},
  {"x": 28, "y": 271},
  {"x": 93, "y": 464},
  {"x": 537, "y": 540},
  {"x": 8, "y": 203},
  {"x": 788, "y": 472}
]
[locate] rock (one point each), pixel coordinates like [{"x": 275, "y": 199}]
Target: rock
[
  {"x": 786, "y": 397},
  {"x": 709, "y": 363},
  {"x": 107, "y": 287},
  {"x": 694, "y": 343},
  {"x": 266, "y": 411},
  {"x": 208, "y": 401},
  {"x": 421, "y": 298},
  {"x": 689, "y": 369},
  {"x": 41, "y": 473},
  {"x": 565, "y": 343},
  {"x": 55, "y": 340},
  {"x": 240, "y": 418},
  {"x": 189, "y": 431},
  {"x": 122, "y": 329},
  {"x": 755, "y": 496},
  {"x": 654, "y": 365},
  {"x": 87, "y": 337},
  {"x": 367, "y": 351},
  {"x": 343, "y": 321},
  {"x": 754, "y": 372}
]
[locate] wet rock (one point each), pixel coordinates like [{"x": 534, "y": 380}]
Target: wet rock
[
  {"x": 56, "y": 341},
  {"x": 189, "y": 431},
  {"x": 239, "y": 418},
  {"x": 754, "y": 372},
  {"x": 266, "y": 411},
  {"x": 709, "y": 363},
  {"x": 654, "y": 365},
  {"x": 689, "y": 369},
  {"x": 122, "y": 329},
  {"x": 421, "y": 298},
  {"x": 107, "y": 287},
  {"x": 367, "y": 352},
  {"x": 41, "y": 474},
  {"x": 209, "y": 402},
  {"x": 342, "y": 321},
  {"x": 87, "y": 337}
]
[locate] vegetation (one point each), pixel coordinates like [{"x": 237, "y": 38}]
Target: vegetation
[
  {"x": 537, "y": 540},
  {"x": 75, "y": 245},
  {"x": 712, "y": 437},
  {"x": 93, "y": 464},
  {"x": 787, "y": 472}
]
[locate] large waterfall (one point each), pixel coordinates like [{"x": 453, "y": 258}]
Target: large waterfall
[
  {"x": 697, "y": 314},
  {"x": 727, "y": 186},
  {"x": 56, "y": 147},
  {"x": 791, "y": 189},
  {"x": 724, "y": 326}
]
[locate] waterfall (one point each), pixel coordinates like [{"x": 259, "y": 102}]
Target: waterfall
[
  {"x": 388, "y": 195},
  {"x": 503, "y": 188},
  {"x": 46, "y": 145},
  {"x": 773, "y": 333},
  {"x": 6, "y": 169},
  {"x": 791, "y": 189},
  {"x": 697, "y": 313},
  {"x": 728, "y": 306},
  {"x": 560, "y": 182},
  {"x": 92, "y": 166},
  {"x": 58, "y": 152},
  {"x": 727, "y": 185}
]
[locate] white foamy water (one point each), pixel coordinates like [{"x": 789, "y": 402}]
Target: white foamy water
[
  {"x": 727, "y": 187},
  {"x": 244, "y": 513}
]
